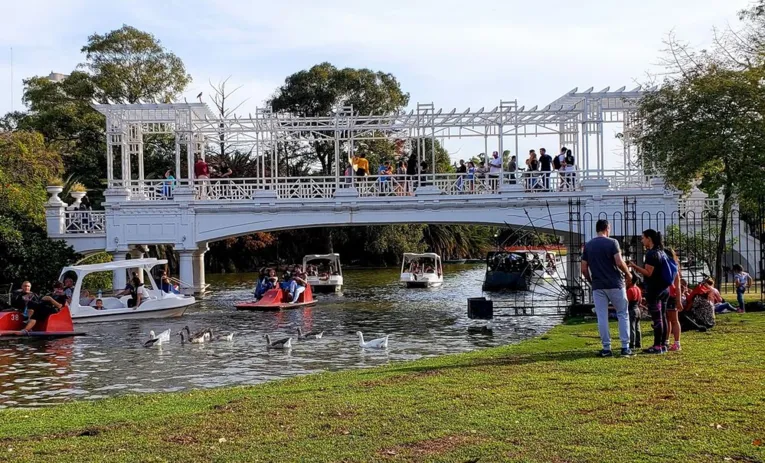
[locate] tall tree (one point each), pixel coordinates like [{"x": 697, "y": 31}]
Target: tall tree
[
  {"x": 131, "y": 66},
  {"x": 320, "y": 90},
  {"x": 26, "y": 252},
  {"x": 122, "y": 66},
  {"x": 708, "y": 127}
]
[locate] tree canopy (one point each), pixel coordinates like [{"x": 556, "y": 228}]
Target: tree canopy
[
  {"x": 320, "y": 90},
  {"x": 705, "y": 125},
  {"x": 26, "y": 253},
  {"x": 127, "y": 65}
]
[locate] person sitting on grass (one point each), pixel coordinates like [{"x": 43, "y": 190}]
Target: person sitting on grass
[
  {"x": 743, "y": 281},
  {"x": 38, "y": 309},
  {"x": 699, "y": 310}
]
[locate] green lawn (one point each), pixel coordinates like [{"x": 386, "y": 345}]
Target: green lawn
[{"x": 546, "y": 400}]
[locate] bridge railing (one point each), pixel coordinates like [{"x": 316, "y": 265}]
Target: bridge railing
[
  {"x": 325, "y": 187},
  {"x": 76, "y": 222}
]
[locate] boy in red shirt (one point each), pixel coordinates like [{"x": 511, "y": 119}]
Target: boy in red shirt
[{"x": 634, "y": 296}]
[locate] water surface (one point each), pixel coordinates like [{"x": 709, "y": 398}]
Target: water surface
[{"x": 111, "y": 359}]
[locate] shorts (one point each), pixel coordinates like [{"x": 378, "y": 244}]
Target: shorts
[{"x": 672, "y": 304}]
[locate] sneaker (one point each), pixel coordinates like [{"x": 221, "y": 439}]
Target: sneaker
[
  {"x": 605, "y": 353},
  {"x": 664, "y": 349},
  {"x": 654, "y": 350},
  {"x": 626, "y": 352},
  {"x": 675, "y": 347},
  {"x": 740, "y": 311}
]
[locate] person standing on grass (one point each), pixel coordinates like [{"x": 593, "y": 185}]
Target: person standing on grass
[
  {"x": 657, "y": 288},
  {"x": 604, "y": 268},
  {"x": 743, "y": 282},
  {"x": 634, "y": 297},
  {"x": 674, "y": 303}
]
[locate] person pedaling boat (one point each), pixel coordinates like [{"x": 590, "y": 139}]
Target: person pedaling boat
[
  {"x": 293, "y": 285},
  {"x": 37, "y": 309},
  {"x": 266, "y": 280}
]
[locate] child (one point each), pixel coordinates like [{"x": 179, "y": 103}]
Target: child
[
  {"x": 99, "y": 304},
  {"x": 634, "y": 296},
  {"x": 743, "y": 281}
]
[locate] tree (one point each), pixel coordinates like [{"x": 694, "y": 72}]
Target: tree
[
  {"x": 707, "y": 127},
  {"x": 26, "y": 167},
  {"x": 322, "y": 89},
  {"x": 26, "y": 252},
  {"x": 127, "y": 65},
  {"x": 122, "y": 66}
]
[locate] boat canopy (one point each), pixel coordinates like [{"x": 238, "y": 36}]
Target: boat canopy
[
  {"x": 147, "y": 264},
  {"x": 333, "y": 257},
  {"x": 412, "y": 255}
]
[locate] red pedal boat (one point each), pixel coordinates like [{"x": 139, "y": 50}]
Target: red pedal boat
[
  {"x": 277, "y": 299},
  {"x": 58, "y": 325}
]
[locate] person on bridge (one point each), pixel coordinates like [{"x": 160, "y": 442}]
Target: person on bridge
[
  {"x": 202, "y": 172},
  {"x": 545, "y": 166},
  {"x": 495, "y": 168},
  {"x": 605, "y": 270}
]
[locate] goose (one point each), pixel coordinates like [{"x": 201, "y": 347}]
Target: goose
[
  {"x": 222, "y": 337},
  {"x": 154, "y": 340},
  {"x": 310, "y": 335},
  {"x": 379, "y": 343},
  {"x": 285, "y": 343},
  {"x": 198, "y": 337}
]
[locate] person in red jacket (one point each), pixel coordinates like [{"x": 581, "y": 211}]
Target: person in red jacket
[{"x": 634, "y": 296}]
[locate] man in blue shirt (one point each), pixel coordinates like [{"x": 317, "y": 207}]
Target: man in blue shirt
[{"x": 604, "y": 268}]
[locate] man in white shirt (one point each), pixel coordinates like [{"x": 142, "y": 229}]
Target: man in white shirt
[{"x": 495, "y": 167}]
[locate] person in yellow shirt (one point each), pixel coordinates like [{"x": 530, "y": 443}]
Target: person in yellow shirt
[{"x": 362, "y": 164}]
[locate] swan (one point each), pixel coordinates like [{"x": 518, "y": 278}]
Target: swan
[
  {"x": 154, "y": 340},
  {"x": 379, "y": 343},
  {"x": 310, "y": 335},
  {"x": 285, "y": 343}
]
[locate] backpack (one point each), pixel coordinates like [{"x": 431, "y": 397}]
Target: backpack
[{"x": 668, "y": 269}]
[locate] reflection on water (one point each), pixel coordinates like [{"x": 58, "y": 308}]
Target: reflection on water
[{"x": 111, "y": 360}]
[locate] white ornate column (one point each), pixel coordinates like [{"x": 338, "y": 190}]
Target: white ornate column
[
  {"x": 138, "y": 252},
  {"x": 119, "y": 279},
  {"x": 198, "y": 258},
  {"x": 186, "y": 263}
]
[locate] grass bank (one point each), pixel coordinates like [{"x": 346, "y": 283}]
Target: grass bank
[{"x": 545, "y": 400}]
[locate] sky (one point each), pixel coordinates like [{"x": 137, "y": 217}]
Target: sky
[{"x": 454, "y": 54}]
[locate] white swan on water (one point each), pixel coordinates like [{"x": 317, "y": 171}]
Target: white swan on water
[
  {"x": 154, "y": 340},
  {"x": 379, "y": 343}
]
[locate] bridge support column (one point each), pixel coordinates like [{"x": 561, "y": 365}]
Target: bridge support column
[
  {"x": 118, "y": 276},
  {"x": 198, "y": 263},
  {"x": 186, "y": 264},
  {"x": 138, "y": 252}
]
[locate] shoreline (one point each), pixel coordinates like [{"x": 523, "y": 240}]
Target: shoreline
[{"x": 544, "y": 399}]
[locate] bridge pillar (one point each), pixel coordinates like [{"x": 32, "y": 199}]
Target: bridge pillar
[
  {"x": 138, "y": 252},
  {"x": 186, "y": 264},
  {"x": 118, "y": 276},
  {"x": 198, "y": 264}
]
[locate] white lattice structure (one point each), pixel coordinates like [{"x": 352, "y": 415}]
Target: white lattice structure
[{"x": 576, "y": 117}]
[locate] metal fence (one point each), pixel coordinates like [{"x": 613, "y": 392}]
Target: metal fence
[{"x": 693, "y": 232}]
